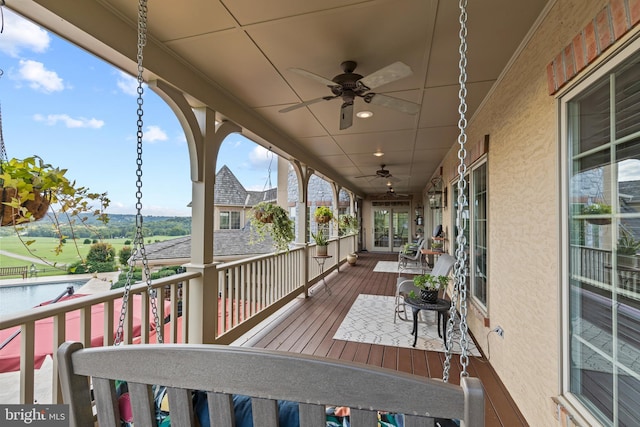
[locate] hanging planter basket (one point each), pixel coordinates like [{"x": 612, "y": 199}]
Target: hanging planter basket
[
  {"x": 10, "y": 216},
  {"x": 599, "y": 221},
  {"x": 323, "y": 219},
  {"x": 266, "y": 218}
]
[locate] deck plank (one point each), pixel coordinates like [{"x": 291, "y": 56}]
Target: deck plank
[{"x": 311, "y": 323}]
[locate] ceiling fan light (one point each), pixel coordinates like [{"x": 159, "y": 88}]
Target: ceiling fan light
[
  {"x": 364, "y": 114},
  {"x": 378, "y": 153}
]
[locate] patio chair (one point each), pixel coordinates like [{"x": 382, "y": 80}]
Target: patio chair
[
  {"x": 404, "y": 285},
  {"x": 414, "y": 257}
]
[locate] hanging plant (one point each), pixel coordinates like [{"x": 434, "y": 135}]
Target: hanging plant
[
  {"x": 348, "y": 224},
  {"x": 270, "y": 218},
  {"x": 323, "y": 214},
  {"x": 597, "y": 209},
  {"x": 29, "y": 187}
]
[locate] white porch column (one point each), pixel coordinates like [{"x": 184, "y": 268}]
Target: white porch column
[
  {"x": 203, "y": 140},
  {"x": 303, "y": 173},
  {"x": 203, "y": 292},
  {"x": 335, "y": 189}
]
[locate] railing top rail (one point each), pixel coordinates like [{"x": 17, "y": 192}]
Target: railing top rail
[
  {"x": 46, "y": 311},
  {"x": 224, "y": 265}
]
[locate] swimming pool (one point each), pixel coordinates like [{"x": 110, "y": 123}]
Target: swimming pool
[{"x": 17, "y": 298}]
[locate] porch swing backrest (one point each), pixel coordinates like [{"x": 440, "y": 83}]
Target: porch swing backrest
[{"x": 266, "y": 376}]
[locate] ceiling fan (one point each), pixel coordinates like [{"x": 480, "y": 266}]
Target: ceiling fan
[
  {"x": 381, "y": 173},
  {"x": 392, "y": 193},
  {"x": 350, "y": 85}
]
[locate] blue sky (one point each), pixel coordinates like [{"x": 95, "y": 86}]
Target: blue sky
[{"x": 78, "y": 112}]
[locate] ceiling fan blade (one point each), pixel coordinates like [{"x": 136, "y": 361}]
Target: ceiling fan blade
[
  {"x": 310, "y": 75},
  {"x": 388, "y": 74},
  {"x": 346, "y": 115},
  {"x": 304, "y": 104},
  {"x": 393, "y": 103}
]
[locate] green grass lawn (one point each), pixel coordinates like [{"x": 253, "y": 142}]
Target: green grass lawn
[{"x": 44, "y": 247}]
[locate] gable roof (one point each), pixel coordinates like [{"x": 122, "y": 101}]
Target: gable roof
[{"x": 228, "y": 191}]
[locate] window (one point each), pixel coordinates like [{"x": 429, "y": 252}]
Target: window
[
  {"x": 476, "y": 226},
  {"x": 602, "y": 273},
  {"x": 229, "y": 220}
]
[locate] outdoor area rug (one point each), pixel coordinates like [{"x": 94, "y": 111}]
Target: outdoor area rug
[
  {"x": 392, "y": 267},
  {"x": 370, "y": 320}
]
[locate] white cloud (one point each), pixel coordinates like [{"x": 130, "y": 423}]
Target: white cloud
[
  {"x": 127, "y": 84},
  {"x": 629, "y": 170},
  {"x": 20, "y": 34},
  {"x": 80, "y": 122},
  {"x": 38, "y": 77},
  {"x": 260, "y": 157},
  {"x": 155, "y": 134}
]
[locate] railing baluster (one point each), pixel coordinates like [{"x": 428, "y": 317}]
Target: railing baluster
[
  {"x": 27, "y": 349},
  {"x": 59, "y": 336}
]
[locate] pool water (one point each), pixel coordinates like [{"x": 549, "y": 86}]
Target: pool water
[{"x": 18, "y": 298}]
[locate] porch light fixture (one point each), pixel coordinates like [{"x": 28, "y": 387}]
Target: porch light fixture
[{"x": 364, "y": 114}]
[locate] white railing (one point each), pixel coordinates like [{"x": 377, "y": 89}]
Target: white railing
[
  {"x": 252, "y": 288},
  {"x": 594, "y": 266},
  {"x": 51, "y": 325}
]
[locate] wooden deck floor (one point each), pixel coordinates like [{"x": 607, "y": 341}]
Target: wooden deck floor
[{"x": 308, "y": 327}]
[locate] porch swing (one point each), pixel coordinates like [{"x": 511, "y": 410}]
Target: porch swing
[{"x": 284, "y": 389}]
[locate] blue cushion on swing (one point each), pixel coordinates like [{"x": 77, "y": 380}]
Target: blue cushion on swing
[{"x": 287, "y": 411}]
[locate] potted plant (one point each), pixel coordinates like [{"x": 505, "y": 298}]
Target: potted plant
[
  {"x": 323, "y": 214},
  {"x": 272, "y": 219},
  {"x": 628, "y": 247},
  {"x": 28, "y": 187},
  {"x": 321, "y": 243},
  {"x": 429, "y": 286},
  {"x": 597, "y": 209}
]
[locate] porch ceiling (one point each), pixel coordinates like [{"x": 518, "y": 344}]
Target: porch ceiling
[{"x": 235, "y": 55}]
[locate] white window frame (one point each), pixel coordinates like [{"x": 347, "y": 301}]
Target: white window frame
[
  {"x": 564, "y": 99},
  {"x": 483, "y": 161},
  {"x": 230, "y": 222}
]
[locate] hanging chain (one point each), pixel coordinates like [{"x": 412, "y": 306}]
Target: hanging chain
[
  {"x": 460, "y": 269},
  {"x": 138, "y": 243}
]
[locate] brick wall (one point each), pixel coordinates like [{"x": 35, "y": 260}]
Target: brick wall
[{"x": 608, "y": 26}]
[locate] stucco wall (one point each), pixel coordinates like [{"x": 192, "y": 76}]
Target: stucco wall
[{"x": 524, "y": 220}]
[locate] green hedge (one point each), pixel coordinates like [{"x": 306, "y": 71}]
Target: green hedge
[{"x": 137, "y": 275}]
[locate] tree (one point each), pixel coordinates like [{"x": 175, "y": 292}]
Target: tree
[
  {"x": 125, "y": 254},
  {"x": 101, "y": 252}
]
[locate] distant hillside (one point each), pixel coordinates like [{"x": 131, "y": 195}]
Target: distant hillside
[{"x": 118, "y": 226}]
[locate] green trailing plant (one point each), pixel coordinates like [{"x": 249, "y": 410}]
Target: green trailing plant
[
  {"x": 596, "y": 209},
  {"x": 270, "y": 218},
  {"x": 323, "y": 214},
  {"x": 31, "y": 189}
]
